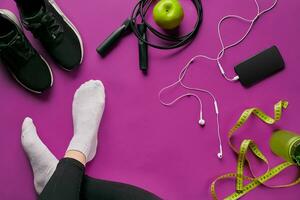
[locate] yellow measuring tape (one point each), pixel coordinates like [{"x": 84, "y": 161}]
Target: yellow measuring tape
[{"x": 247, "y": 145}]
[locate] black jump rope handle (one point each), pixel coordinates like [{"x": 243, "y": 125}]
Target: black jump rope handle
[
  {"x": 107, "y": 44},
  {"x": 143, "y": 49}
]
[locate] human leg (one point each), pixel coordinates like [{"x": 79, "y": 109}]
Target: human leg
[
  {"x": 65, "y": 183},
  {"x": 96, "y": 189},
  {"x": 53, "y": 179},
  {"x": 88, "y": 106},
  {"x": 68, "y": 181}
]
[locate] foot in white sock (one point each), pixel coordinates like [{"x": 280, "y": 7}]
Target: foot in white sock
[
  {"x": 88, "y": 107},
  {"x": 42, "y": 161}
]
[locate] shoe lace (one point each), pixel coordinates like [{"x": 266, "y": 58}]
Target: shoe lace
[
  {"x": 21, "y": 47},
  {"x": 48, "y": 24}
]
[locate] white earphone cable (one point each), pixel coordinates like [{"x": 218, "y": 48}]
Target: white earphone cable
[{"x": 183, "y": 72}]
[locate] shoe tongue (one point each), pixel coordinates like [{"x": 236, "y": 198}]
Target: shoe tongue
[
  {"x": 37, "y": 17},
  {"x": 6, "y": 39}
]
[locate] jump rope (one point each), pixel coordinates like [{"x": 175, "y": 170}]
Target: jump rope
[
  {"x": 183, "y": 72},
  {"x": 138, "y": 24}
]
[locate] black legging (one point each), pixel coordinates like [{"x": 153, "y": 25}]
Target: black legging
[{"x": 69, "y": 183}]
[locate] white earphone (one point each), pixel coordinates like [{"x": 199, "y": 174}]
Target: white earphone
[
  {"x": 201, "y": 120},
  {"x": 183, "y": 72}
]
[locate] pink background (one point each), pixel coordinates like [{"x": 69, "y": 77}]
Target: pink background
[{"x": 141, "y": 142}]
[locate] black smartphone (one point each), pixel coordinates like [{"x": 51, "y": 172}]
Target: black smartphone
[{"x": 260, "y": 67}]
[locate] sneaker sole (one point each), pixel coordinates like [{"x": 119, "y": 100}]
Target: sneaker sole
[
  {"x": 14, "y": 18},
  {"x": 66, "y": 19}
]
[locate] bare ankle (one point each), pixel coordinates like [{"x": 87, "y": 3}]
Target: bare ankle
[{"x": 77, "y": 155}]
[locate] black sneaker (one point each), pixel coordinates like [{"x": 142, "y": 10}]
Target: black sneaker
[
  {"x": 54, "y": 30},
  {"x": 20, "y": 58}
]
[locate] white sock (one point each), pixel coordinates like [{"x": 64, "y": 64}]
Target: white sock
[
  {"x": 88, "y": 107},
  {"x": 42, "y": 161}
]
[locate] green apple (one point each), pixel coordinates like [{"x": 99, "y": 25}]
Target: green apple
[{"x": 168, "y": 14}]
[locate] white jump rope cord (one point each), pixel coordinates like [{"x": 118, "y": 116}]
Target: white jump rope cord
[{"x": 183, "y": 72}]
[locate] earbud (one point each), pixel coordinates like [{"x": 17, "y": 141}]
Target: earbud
[
  {"x": 220, "y": 154},
  {"x": 236, "y": 78},
  {"x": 202, "y": 122}
]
